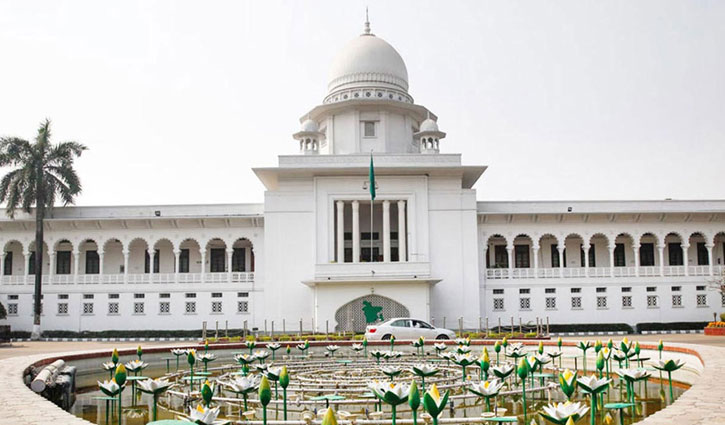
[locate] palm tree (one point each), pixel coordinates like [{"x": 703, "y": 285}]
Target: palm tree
[{"x": 42, "y": 171}]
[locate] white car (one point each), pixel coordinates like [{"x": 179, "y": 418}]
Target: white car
[{"x": 406, "y": 328}]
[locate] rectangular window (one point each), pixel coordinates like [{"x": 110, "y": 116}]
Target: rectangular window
[
  {"x": 365, "y": 254},
  {"x": 651, "y": 289},
  {"x": 139, "y": 296},
  {"x": 651, "y": 301},
  {"x": 647, "y": 254},
  {"x": 619, "y": 258},
  {"x": 576, "y": 303},
  {"x": 165, "y": 295},
  {"x": 190, "y": 295},
  {"x": 87, "y": 296},
  {"x": 156, "y": 261},
  {"x": 365, "y": 236},
  {"x": 8, "y": 266},
  {"x": 677, "y": 301},
  {"x": 164, "y": 307},
  {"x": 242, "y": 306},
  {"x": 31, "y": 263},
  {"x": 190, "y": 307},
  {"x": 92, "y": 262},
  {"x": 12, "y": 297},
  {"x": 62, "y": 262},
  {"x": 521, "y": 256},
  {"x": 550, "y": 291},
  {"x": 113, "y": 296},
  {"x": 701, "y": 300},
  {"x": 524, "y": 291},
  {"x": 602, "y": 302},
  {"x": 500, "y": 257},
  {"x": 700, "y": 288},
  {"x": 576, "y": 290},
  {"x": 498, "y": 304},
  {"x": 702, "y": 257},
  {"x": 525, "y": 303},
  {"x": 550, "y": 303},
  {"x": 676, "y": 288},
  {"x": 184, "y": 261},
  {"x": 627, "y": 289},
  {"x": 674, "y": 250},
  {"x": 348, "y": 255},
  {"x": 369, "y": 128},
  {"x": 217, "y": 260},
  {"x": 112, "y": 308},
  {"x": 592, "y": 259},
  {"x": 216, "y": 307},
  {"x": 722, "y": 300},
  {"x": 242, "y": 294},
  {"x": 87, "y": 308},
  {"x": 62, "y": 296},
  {"x": 138, "y": 308},
  {"x": 216, "y": 294},
  {"x": 62, "y": 308},
  {"x": 627, "y": 301},
  {"x": 12, "y": 309},
  {"x": 601, "y": 290},
  {"x": 238, "y": 260}
]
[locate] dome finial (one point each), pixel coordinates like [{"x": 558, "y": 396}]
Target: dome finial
[{"x": 367, "y": 22}]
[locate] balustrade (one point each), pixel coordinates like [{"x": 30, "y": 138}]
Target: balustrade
[{"x": 161, "y": 278}]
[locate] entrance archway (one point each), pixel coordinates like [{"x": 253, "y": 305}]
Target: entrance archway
[{"x": 360, "y": 312}]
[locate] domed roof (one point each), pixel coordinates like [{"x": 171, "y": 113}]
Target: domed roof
[
  {"x": 429, "y": 125},
  {"x": 309, "y": 126},
  {"x": 368, "y": 61}
]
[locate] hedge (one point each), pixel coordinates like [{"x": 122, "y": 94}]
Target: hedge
[{"x": 671, "y": 326}]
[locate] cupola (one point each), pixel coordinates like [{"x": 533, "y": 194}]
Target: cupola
[
  {"x": 309, "y": 137},
  {"x": 429, "y": 136}
]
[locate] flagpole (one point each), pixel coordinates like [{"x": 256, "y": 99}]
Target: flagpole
[{"x": 371, "y": 229}]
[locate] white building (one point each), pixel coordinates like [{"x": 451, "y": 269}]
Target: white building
[{"x": 305, "y": 254}]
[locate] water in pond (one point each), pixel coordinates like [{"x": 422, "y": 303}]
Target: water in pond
[{"x": 318, "y": 377}]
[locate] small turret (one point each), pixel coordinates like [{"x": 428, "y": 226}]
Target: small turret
[
  {"x": 309, "y": 137},
  {"x": 429, "y": 136}
]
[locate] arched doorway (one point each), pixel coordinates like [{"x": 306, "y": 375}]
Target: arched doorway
[{"x": 360, "y": 312}]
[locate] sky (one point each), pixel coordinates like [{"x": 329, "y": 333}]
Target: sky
[{"x": 563, "y": 100}]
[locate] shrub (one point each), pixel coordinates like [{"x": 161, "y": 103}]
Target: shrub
[
  {"x": 670, "y": 326},
  {"x": 722, "y": 317},
  {"x": 3, "y": 313}
]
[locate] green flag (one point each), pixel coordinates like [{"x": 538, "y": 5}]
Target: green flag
[{"x": 372, "y": 178}]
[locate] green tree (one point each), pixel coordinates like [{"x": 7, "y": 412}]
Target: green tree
[{"x": 41, "y": 172}]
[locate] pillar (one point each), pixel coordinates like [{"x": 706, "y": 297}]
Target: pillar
[
  {"x": 203, "y": 264},
  {"x": 402, "y": 233},
  {"x": 100, "y": 265},
  {"x": 76, "y": 263},
  {"x": 151, "y": 253},
  {"x": 248, "y": 259},
  {"x": 535, "y": 251},
  {"x": 355, "y": 231},
  {"x": 611, "y": 260},
  {"x": 635, "y": 249},
  {"x": 685, "y": 260},
  {"x": 586, "y": 248},
  {"x": 125, "y": 265},
  {"x": 661, "y": 251},
  {"x": 230, "y": 252},
  {"x": 2, "y": 263},
  {"x": 386, "y": 231},
  {"x": 177, "y": 256},
  {"x": 26, "y": 260},
  {"x": 51, "y": 272},
  {"x": 560, "y": 248},
  {"x": 709, "y": 257},
  {"x": 340, "y": 232},
  {"x": 510, "y": 253}
]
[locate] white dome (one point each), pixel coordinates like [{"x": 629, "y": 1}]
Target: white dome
[
  {"x": 368, "y": 61},
  {"x": 309, "y": 126},
  {"x": 429, "y": 125}
]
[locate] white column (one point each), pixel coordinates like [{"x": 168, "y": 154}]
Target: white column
[
  {"x": 76, "y": 263},
  {"x": 27, "y": 264},
  {"x": 685, "y": 260},
  {"x": 535, "y": 251},
  {"x": 151, "y": 252},
  {"x": 635, "y": 249},
  {"x": 51, "y": 272},
  {"x": 402, "y": 233},
  {"x": 661, "y": 249},
  {"x": 355, "y": 231},
  {"x": 510, "y": 253},
  {"x": 485, "y": 257},
  {"x": 100, "y": 265},
  {"x": 560, "y": 248},
  {"x": 386, "y": 231},
  {"x": 203, "y": 264},
  {"x": 586, "y": 248},
  {"x": 248, "y": 259},
  {"x": 611, "y": 260},
  {"x": 709, "y": 257},
  {"x": 340, "y": 232},
  {"x": 125, "y": 265},
  {"x": 2, "y": 264},
  {"x": 230, "y": 252},
  {"x": 177, "y": 257}
]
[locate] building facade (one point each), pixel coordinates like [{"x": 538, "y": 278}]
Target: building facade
[{"x": 318, "y": 251}]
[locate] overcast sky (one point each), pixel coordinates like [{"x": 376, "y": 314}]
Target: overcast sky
[{"x": 177, "y": 101}]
